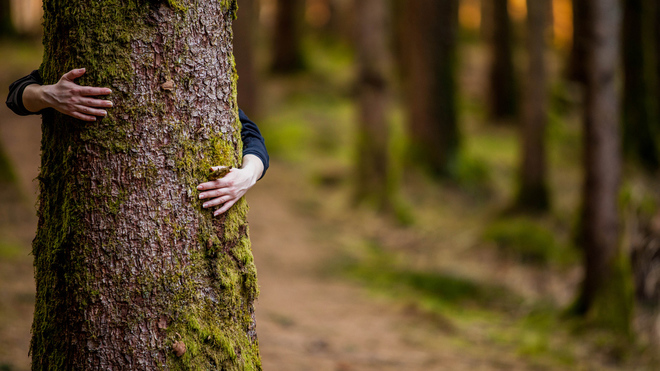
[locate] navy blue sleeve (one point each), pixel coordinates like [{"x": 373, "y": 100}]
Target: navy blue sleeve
[
  {"x": 253, "y": 141},
  {"x": 15, "y": 97}
]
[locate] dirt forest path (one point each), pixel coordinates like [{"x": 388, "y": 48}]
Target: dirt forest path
[{"x": 309, "y": 321}]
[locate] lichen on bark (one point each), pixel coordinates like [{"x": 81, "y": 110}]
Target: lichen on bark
[{"x": 127, "y": 263}]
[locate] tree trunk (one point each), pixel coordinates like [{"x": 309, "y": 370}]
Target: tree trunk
[
  {"x": 245, "y": 27},
  {"x": 576, "y": 61},
  {"x": 656, "y": 23},
  {"x": 373, "y": 57},
  {"x": 131, "y": 272},
  {"x": 431, "y": 55},
  {"x": 606, "y": 291},
  {"x": 6, "y": 24},
  {"x": 639, "y": 140},
  {"x": 487, "y": 18},
  {"x": 533, "y": 193},
  {"x": 287, "y": 53},
  {"x": 503, "y": 89}
]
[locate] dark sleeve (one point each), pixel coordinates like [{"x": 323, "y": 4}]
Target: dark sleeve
[
  {"x": 15, "y": 97},
  {"x": 253, "y": 141}
]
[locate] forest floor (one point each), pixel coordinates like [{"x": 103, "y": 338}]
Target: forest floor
[{"x": 346, "y": 289}]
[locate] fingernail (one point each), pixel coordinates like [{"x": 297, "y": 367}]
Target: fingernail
[
  {"x": 201, "y": 196},
  {"x": 216, "y": 213},
  {"x": 105, "y": 113},
  {"x": 199, "y": 187},
  {"x": 206, "y": 205},
  {"x": 111, "y": 104}
]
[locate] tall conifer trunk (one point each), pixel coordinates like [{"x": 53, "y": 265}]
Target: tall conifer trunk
[
  {"x": 503, "y": 94},
  {"x": 576, "y": 61},
  {"x": 6, "y": 24},
  {"x": 287, "y": 53},
  {"x": 533, "y": 192},
  {"x": 656, "y": 30},
  {"x": 430, "y": 49},
  {"x": 639, "y": 140},
  {"x": 373, "y": 61},
  {"x": 131, "y": 272},
  {"x": 606, "y": 291}
]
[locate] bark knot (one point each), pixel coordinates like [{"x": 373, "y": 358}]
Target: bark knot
[{"x": 168, "y": 85}]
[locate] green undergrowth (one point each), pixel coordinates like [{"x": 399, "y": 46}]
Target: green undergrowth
[
  {"x": 439, "y": 290},
  {"x": 529, "y": 241},
  {"x": 475, "y": 313}
]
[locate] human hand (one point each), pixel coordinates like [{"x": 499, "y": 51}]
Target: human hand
[
  {"x": 70, "y": 98},
  {"x": 230, "y": 188}
]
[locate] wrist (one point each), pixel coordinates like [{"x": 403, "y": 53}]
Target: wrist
[
  {"x": 253, "y": 165},
  {"x": 34, "y": 98}
]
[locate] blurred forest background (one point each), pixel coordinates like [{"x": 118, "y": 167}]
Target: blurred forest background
[{"x": 455, "y": 185}]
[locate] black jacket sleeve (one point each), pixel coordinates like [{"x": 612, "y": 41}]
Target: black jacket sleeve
[
  {"x": 253, "y": 141},
  {"x": 15, "y": 97}
]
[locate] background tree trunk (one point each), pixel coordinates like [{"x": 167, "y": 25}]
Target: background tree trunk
[
  {"x": 287, "y": 53},
  {"x": 130, "y": 270},
  {"x": 576, "y": 61},
  {"x": 606, "y": 291},
  {"x": 533, "y": 193},
  {"x": 656, "y": 23},
  {"x": 431, "y": 55},
  {"x": 245, "y": 28},
  {"x": 373, "y": 58},
  {"x": 639, "y": 139},
  {"x": 503, "y": 92},
  {"x": 6, "y": 25},
  {"x": 487, "y": 18}
]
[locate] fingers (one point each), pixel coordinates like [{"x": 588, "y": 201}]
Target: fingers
[
  {"x": 215, "y": 184},
  {"x": 82, "y": 117},
  {"x": 217, "y": 201},
  {"x": 225, "y": 207},
  {"x": 90, "y": 90},
  {"x": 74, "y": 74},
  {"x": 90, "y": 102},
  {"x": 214, "y": 193},
  {"x": 85, "y": 110}
]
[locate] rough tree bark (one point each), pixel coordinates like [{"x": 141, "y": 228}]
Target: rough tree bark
[
  {"x": 430, "y": 50},
  {"x": 373, "y": 185},
  {"x": 131, "y": 272},
  {"x": 287, "y": 53},
  {"x": 533, "y": 192},
  {"x": 606, "y": 294},
  {"x": 503, "y": 90},
  {"x": 639, "y": 138},
  {"x": 245, "y": 27}
]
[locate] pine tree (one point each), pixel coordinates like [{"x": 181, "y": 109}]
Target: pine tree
[{"x": 131, "y": 272}]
